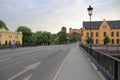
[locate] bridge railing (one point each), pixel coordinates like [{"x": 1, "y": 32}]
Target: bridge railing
[
  {"x": 3, "y": 46},
  {"x": 109, "y": 66}
]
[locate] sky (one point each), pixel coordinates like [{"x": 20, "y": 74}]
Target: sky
[{"x": 51, "y": 15}]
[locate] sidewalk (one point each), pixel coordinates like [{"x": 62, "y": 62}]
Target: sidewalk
[{"x": 76, "y": 67}]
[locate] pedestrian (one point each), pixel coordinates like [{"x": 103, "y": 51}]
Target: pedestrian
[{"x": 13, "y": 44}]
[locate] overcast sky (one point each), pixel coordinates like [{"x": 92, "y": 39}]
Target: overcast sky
[{"x": 51, "y": 15}]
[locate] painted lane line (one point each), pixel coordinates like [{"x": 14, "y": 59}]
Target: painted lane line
[
  {"x": 28, "y": 77},
  {"x": 27, "y": 68},
  {"x": 5, "y": 60},
  {"x": 59, "y": 70}
]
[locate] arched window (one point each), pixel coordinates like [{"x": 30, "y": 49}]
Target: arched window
[
  {"x": 96, "y": 41},
  {"x": 5, "y": 42},
  {"x": 18, "y": 42},
  {"x": 92, "y": 34},
  {"x": 104, "y": 34},
  {"x": 9, "y": 42},
  {"x": 96, "y": 34},
  {"x": 117, "y": 41},
  {"x": 87, "y": 34},
  {"x": 92, "y": 41},
  {"x": 117, "y": 34},
  {"x": 112, "y": 41},
  {"x": 0, "y": 35},
  {"x": 112, "y": 34}
]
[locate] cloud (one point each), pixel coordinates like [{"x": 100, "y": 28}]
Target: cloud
[{"x": 51, "y": 15}]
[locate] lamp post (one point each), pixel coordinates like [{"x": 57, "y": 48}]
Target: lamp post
[
  {"x": 90, "y": 9},
  {"x": 90, "y": 14}
]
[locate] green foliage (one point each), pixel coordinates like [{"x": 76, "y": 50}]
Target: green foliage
[
  {"x": 54, "y": 39},
  {"x": 26, "y": 33},
  {"x": 33, "y": 38},
  {"x": 3, "y": 25},
  {"x": 62, "y": 35},
  {"x": 106, "y": 40},
  {"x": 39, "y": 37},
  {"x": 43, "y": 37},
  {"x": 74, "y": 37},
  {"x": 46, "y": 38},
  {"x": 89, "y": 40}
]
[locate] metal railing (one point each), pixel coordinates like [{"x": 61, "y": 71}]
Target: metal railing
[
  {"x": 109, "y": 66},
  {"x": 3, "y": 46}
]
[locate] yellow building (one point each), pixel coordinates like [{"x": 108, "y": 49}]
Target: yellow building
[
  {"x": 100, "y": 29},
  {"x": 7, "y": 36}
]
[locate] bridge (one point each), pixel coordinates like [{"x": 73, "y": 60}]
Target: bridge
[
  {"x": 58, "y": 62},
  {"x": 108, "y": 64}
]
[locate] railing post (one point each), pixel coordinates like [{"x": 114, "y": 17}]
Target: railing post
[
  {"x": 98, "y": 61},
  {"x": 115, "y": 70}
]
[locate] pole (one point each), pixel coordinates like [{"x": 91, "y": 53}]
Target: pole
[
  {"x": 90, "y": 33},
  {"x": 17, "y": 39}
]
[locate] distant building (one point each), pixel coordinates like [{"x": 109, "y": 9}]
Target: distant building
[
  {"x": 78, "y": 31},
  {"x": 100, "y": 29},
  {"x": 7, "y": 36}
]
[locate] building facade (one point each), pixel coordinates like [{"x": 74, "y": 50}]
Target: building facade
[
  {"x": 78, "y": 31},
  {"x": 100, "y": 29},
  {"x": 7, "y": 36}
]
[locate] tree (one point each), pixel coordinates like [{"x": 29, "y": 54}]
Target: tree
[
  {"x": 106, "y": 40},
  {"x": 33, "y": 38},
  {"x": 39, "y": 37},
  {"x": 3, "y": 25},
  {"x": 89, "y": 40},
  {"x": 43, "y": 37},
  {"x": 54, "y": 39},
  {"x": 26, "y": 33},
  {"x": 62, "y": 35},
  {"x": 46, "y": 37},
  {"x": 74, "y": 37}
]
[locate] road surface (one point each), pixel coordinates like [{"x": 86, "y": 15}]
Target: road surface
[{"x": 33, "y": 63}]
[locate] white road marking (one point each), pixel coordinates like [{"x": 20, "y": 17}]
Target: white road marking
[
  {"x": 30, "y": 67},
  {"x": 28, "y": 77},
  {"x": 60, "y": 67},
  {"x": 5, "y": 60}
]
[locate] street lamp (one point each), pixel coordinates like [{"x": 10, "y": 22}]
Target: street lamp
[
  {"x": 90, "y": 14},
  {"x": 90, "y": 9}
]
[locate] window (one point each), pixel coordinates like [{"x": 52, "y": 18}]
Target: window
[
  {"x": 117, "y": 41},
  {"x": 92, "y": 34},
  {"x": 104, "y": 34},
  {"x": 96, "y": 41},
  {"x": 117, "y": 34},
  {"x": 112, "y": 34},
  {"x": 104, "y": 26},
  {"x": 92, "y": 41},
  {"x": 87, "y": 34},
  {"x": 9, "y": 42},
  {"x": 16, "y": 37},
  {"x": 10, "y": 36},
  {"x": 112, "y": 41},
  {"x": 96, "y": 34},
  {"x": 18, "y": 42},
  {"x": 6, "y": 42}
]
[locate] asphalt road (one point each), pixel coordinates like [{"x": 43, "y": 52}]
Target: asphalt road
[{"x": 33, "y": 63}]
